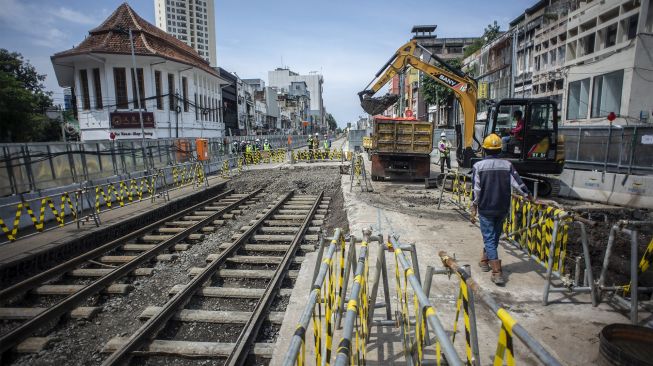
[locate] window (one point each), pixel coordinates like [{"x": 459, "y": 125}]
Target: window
[
  {"x": 120, "y": 83},
  {"x": 141, "y": 89},
  {"x": 578, "y": 99},
  {"x": 197, "y": 109},
  {"x": 606, "y": 93},
  {"x": 86, "y": 99},
  {"x": 171, "y": 91},
  {"x": 632, "y": 27},
  {"x": 541, "y": 117},
  {"x": 588, "y": 44},
  {"x": 184, "y": 92},
  {"x": 97, "y": 88},
  {"x": 611, "y": 36},
  {"x": 157, "y": 87}
]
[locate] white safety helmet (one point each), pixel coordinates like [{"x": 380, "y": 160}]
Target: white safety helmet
[
  {"x": 257, "y": 140},
  {"x": 317, "y": 134},
  {"x": 443, "y": 134}
]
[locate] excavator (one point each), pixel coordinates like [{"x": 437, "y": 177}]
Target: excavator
[{"x": 536, "y": 149}]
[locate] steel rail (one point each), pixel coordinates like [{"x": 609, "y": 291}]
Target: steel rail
[
  {"x": 152, "y": 326},
  {"x": 520, "y": 332},
  {"x": 62, "y": 268},
  {"x": 12, "y": 338},
  {"x": 247, "y": 336}
]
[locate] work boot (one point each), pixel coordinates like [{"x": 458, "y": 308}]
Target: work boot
[
  {"x": 497, "y": 275},
  {"x": 483, "y": 263}
]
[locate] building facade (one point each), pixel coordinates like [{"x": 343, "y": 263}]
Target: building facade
[
  {"x": 191, "y": 21},
  {"x": 609, "y": 63},
  {"x": 171, "y": 89},
  {"x": 281, "y": 78}
]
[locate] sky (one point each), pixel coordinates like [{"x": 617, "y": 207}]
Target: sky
[{"x": 347, "y": 41}]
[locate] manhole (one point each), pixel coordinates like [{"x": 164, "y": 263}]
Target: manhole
[{"x": 625, "y": 344}]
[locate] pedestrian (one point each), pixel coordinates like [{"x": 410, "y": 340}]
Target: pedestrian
[
  {"x": 492, "y": 179},
  {"x": 444, "y": 146}
]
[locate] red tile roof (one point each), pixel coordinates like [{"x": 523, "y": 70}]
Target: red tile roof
[{"x": 111, "y": 37}]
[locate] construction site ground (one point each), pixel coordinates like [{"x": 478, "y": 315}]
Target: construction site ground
[{"x": 568, "y": 327}]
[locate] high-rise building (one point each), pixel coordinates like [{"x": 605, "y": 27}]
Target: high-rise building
[
  {"x": 191, "y": 21},
  {"x": 281, "y": 78}
]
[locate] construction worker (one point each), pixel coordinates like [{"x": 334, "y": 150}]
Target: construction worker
[
  {"x": 266, "y": 145},
  {"x": 326, "y": 143},
  {"x": 309, "y": 143},
  {"x": 248, "y": 147},
  {"x": 492, "y": 179},
  {"x": 316, "y": 141},
  {"x": 515, "y": 134},
  {"x": 444, "y": 147},
  {"x": 257, "y": 145}
]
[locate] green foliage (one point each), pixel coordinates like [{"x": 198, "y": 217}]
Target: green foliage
[
  {"x": 490, "y": 33},
  {"x": 434, "y": 92},
  {"x": 23, "y": 102},
  {"x": 333, "y": 125}
]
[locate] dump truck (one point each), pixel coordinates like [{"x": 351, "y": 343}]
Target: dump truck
[{"x": 401, "y": 148}]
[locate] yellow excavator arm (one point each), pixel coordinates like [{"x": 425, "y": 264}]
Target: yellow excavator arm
[{"x": 463, "y": 86}]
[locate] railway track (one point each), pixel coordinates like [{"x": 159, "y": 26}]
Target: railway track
[
  {"x": 224, "y": 311},
  {"x": 37, "y": 303}
]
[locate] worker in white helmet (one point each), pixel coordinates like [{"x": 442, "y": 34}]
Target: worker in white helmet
[{"x": 444, "y": 147}]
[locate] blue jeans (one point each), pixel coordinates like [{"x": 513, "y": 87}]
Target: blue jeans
[{"x": 491, "y": 227}]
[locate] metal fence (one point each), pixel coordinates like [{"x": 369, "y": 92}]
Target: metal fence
[
  {"x": 613, "y": 149},
  {"x": 34, "y": 167}
]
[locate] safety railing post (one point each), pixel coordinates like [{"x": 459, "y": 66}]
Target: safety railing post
[
  {"x": 634, "y": 290},
  {"x": 350, "y": 266},
  {"x": 476, "y": 359},
  {"x": 549, "y": 269}
]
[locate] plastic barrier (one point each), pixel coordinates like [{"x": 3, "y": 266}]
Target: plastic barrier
[
  {"x": 319, "y": 155},
  {"x": 43, "y": 205},
  {"x": 128, "y": 191},
  {"x": 542, "y": 232},
  {"x": 461, "y": 188}
]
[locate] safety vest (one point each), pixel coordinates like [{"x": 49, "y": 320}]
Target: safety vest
[
  {"x": 444, "y": 146},
  {"x": 266, "y": 147},
  {"x": 248, "y": 148},
  {"x": 326, "y": 144},
  {"x": 255, "y": 147}
]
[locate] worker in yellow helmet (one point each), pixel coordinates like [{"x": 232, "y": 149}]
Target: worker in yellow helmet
[{"x": 492, "y": 180}]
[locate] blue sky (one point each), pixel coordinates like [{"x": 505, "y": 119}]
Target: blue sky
[{"x": 346, "y": 40}]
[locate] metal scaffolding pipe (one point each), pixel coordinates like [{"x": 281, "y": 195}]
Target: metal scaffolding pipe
[{"x": 296, "y": 341}]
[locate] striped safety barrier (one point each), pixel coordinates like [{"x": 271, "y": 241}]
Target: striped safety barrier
[{"x": 43, "y": 205}]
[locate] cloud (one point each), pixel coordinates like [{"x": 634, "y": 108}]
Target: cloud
[
  {"x": 73, "y": 16},
  {"x": 19, "y": 18}
]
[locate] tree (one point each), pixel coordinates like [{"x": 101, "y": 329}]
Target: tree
[
  {"x": 333, "y": 125},
  {"x": 434, "y": 92},
  {"x": 23, "y": 101},
  {"x": 491, "y": 32}
]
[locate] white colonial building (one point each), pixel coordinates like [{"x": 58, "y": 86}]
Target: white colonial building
[{"x": 180, "y": 94}]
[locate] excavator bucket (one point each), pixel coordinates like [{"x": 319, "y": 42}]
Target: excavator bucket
[{"x": 375, "y": 106}]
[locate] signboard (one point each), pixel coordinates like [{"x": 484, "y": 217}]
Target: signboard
[
  {"x": 647, "y": 139},
  {"x": 482, "y": 90},
  {"x": 131, "y": 120}
]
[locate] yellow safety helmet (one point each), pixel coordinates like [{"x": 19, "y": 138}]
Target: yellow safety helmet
[{"x": 492, "y": 142}]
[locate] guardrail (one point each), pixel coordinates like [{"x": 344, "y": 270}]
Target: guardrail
[{"x": 509, "y": 326}]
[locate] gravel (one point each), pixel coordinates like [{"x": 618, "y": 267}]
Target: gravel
[{"x": 79, "y": 342}]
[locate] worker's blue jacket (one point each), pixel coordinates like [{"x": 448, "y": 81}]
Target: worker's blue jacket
[{"x": 492, "y": 179}]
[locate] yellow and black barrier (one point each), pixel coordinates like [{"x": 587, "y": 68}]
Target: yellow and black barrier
[
  {"x": 461, "y": 189},
  {"x": 323, "y": 303},
  {"x": 509, "y": 328},
  {"x": 124, "y": 192},
  {"x": 43, "y": 205},
  {"x": 186, "y": 174},
  {"x": 320, "y": 155}
]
